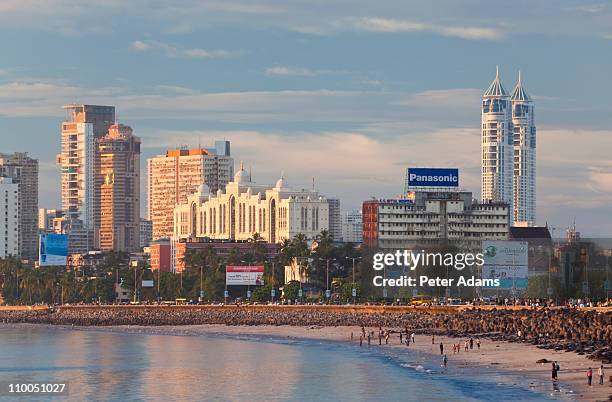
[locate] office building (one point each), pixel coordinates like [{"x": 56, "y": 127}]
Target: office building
[
  {"x": 9, "y": 218},
  {"x": 245, "y": 208},
  {"x": 23, "y": 171},
  {"x": 524, "y": 177},
  {"x": 431, "y": 218},
  {"x": 46, "y": 218},
  {"x": 80, "y": 167},
  {"x": 146, "y": 233},
  {"x": 178, "y": 174},
  {"x": 335, "y": 219},
  {"x": 352, "y": 227},
  {"x": 118, "y": 224}
]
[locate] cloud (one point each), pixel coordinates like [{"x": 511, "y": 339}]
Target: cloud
[
  {"x": 394, "y": 25},
  {"x": 284, "y": 71},
  {"x": 175, "y": 51}
]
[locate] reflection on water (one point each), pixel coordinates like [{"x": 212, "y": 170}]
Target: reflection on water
[{"x": 121, "y": 366}]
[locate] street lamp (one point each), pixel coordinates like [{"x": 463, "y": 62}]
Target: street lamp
[
  {"x": 354, "y": 290},
  {"x": 327, "y": 291}
]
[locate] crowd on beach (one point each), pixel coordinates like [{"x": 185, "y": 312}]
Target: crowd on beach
[{"x": 585, "y": 332}]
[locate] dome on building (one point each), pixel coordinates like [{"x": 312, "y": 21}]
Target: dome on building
[
  {"x": 280, "y": 183},
  {"x": 203, "y": 189},
  {"x": 242, "y": 176}
]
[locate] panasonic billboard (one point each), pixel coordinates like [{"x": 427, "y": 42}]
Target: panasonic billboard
[{"x": 433, "y": 177}]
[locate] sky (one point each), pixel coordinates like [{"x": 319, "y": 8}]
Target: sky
[{"x": 349, "y": 93}]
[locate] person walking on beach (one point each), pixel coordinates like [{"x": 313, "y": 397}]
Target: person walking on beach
[
  {"x": 441, "y": 348},
  {"x": 590, "y": 376},
  {"x": 478, "y": 343},
  {"x": 387, "y": 338},
  {"x": 369, "y": 339},
  {"x": 554, "y": 371},
  {"x": 471, "y": 343},
  {"x": 361, "y": 341},
  {"x": 401, "y": 337},
  {"x": 433, "y": 339},
  {"x": 444, "y": 361},
  {"x": 412, "y": 337},
  {"x": 466, "y": 345},
  {"x": 600, "y": 373}
]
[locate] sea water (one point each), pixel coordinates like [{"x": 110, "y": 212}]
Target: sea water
[{"x": 118, "y": 366}]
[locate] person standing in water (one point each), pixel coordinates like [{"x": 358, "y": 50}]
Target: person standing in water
[{"x": 444, "y": 361}]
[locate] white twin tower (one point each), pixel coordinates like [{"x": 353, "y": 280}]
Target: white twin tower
[{"x": 509, "y": 150}]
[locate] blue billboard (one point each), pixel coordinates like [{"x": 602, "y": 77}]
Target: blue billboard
[
  {"x": 433, "y": 177},
  {"x": 53, "y": 250}
]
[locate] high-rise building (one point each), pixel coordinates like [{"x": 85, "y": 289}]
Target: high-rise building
[
  {"x": 352, "y": 227},
  {"x": 178, "y": 174},
  {"x": 497, "y": 144},
  {"x": 118, "y": 225},
  {"x": 24, "y": 172},
  {"x": 9, "y": 217},
  {"x": 146, "y": 233},
  {"x": 46, "y": 218},
  {"x": 509, "y": 150},
  {"x": 335, "y": 219},
  {"x": 524, "y": 178},
  {"x": 79, "y": 163}
]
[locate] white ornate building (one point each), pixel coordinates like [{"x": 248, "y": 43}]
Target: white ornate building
[{"x": 245, "y": 208}]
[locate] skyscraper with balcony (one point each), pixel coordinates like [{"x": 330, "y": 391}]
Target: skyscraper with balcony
[
  {"x": 524, "y": 176},
  {"x": 497, "y": 144},
  {"x": 23, "y": 170},
  {"x": 118, "y": 224},
  {"x": 180, "y": 173},
  {"x": 79, "y": 163},
  {"x": 509, "y": 150},
  {"x": 9, "y": 218}
]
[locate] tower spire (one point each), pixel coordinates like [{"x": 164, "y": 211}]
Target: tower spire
[
  {"x": 497, "y": 72},
  {"x": 520, "y": 80}
]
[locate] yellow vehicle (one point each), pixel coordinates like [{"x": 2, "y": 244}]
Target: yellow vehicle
[
  {"x": 181, "y": 302},
  {"x": 420, "y": 300}
]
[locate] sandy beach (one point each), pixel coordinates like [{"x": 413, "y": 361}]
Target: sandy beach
[{"x": 515, "y": 359}]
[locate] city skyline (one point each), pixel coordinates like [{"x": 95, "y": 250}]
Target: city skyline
[{"x": 351, "y": 98}]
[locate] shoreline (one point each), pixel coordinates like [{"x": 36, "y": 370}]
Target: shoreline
[{"x": 509, "y": 360}]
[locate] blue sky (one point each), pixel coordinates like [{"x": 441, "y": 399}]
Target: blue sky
[{"x": 348, "y": 92}]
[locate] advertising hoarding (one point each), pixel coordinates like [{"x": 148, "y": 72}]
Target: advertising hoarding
[
  {"x": 53, "y": 250},
  {"x": 147, "y": 283},
  {"x": 244, "y": 275},
  {"x": 507, "y": 261},
  {"x": 432, "y": 177}
]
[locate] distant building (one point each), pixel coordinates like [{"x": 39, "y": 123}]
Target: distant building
[
  {"x": 118, "y": 225},
  {"x": 161, "y": 255},
  {"x": 509, "y": 150},
  {"x": 540, "y": 246},
  {"x": 146, "y": 233},
  {"x": 80, "y": 240},
  {"x": 24, "y": 172},
  {"x": 221, "y": 249},
  {"x": 426, "y": 218},
  {"x": 335, "y": 219},
  {"x": 9, "y": 224},
  {"x": 46, "y": 218},
  {"x": 352, "y": 227},
  {"x": 245, "y": 208},
  {"x": 178, "y": 174}
]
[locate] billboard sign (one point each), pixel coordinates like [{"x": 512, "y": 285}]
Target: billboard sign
[
  {"x": 147, "y": 283},
  {"x": 53, "y": 250},
  {"x": 244, "y": 275},
  {"x": 507, "y": 261},
  {"x": 433, "y": 177}
]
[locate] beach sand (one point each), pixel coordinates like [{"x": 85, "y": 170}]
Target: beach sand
[{"x": 513, "y": 358}]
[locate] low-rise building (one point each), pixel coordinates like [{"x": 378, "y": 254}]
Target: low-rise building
[
  {"x": 352, "y": 227},
  {"x": 429, "y": 218}
]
